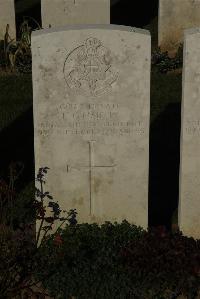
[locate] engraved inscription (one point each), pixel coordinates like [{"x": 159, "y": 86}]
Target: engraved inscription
[
  {"x": 88, "y": 68},
  {"x": 91, "y": 120},
  {"x": 193, "y": 127}
]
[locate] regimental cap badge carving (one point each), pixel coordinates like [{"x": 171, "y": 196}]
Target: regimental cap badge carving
[{"x": 88, "y": 68}]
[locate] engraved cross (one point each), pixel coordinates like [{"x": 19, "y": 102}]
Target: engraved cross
[
  {"x": 92, "y": 67},
  {"x": 90, "y": 168}
]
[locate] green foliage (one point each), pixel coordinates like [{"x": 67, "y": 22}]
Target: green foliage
[
  {"x": 90, "y": 260},
  {"x": 16, "y": 54},
  {"x": 20, "y": 245},
  {"x": 124, "y": 261},
  {"x": 165, "y": 63},
  {"x": 163, "y": 262},
  {"x": 90, "y": 267}
]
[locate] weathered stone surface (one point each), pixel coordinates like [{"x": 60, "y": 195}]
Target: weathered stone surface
[
  {"x": 7, "y": 16},
  {"x": 189, "y": 201},
  {"x": 91, "y": 89},
  {"x": 69, "y": 12},
  {"x": 174, "y": 17}
]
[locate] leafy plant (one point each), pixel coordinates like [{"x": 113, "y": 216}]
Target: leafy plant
[
  {"x": 124, "y": 261},
  {"x": 4, "y": 44},
  {"x": 165, "y": 63},
  {"x": 93, "y": 261},
  {"x": 90, "y": 267},
  {"x": 17, "y": 53},
  {"x": 163, "y": 262},
  {"x": 20, "y": 249},
  {"x": 40, "y": 209}
]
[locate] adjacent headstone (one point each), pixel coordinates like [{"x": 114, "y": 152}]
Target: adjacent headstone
[
  {"x": 69, "y": 12},
  {"x": 91, "y": 93},
  {"x": 7, "y": 16},
  {"x": 174, "y": 17},
  {"x": 189, "y": 201}
]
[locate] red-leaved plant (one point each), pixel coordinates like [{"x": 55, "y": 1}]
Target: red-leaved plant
[{"x": 23, "y": 249}]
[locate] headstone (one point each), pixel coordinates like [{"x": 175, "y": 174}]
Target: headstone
[
  {"x": 189, "y": 201},
  {"x": 91, "y": 93},
  {"x": 7, "y": 16},
  {"x": 174, "y": 17},
  {"x": 69, "y": 12}
]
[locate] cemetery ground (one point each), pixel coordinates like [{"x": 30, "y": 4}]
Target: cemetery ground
[{"x": 83, "y": 255}]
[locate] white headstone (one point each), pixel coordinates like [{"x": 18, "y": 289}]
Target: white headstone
[
  {"x": 7, "y": 16},
  {"x": 174, "y": 17},
  {"x": 69, "y": 12},
  {"x": 189, "y": 201},
  {"x": 91, "y": 90}
]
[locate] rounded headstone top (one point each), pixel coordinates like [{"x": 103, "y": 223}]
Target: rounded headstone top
[{"x": 95, "y": 26}]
